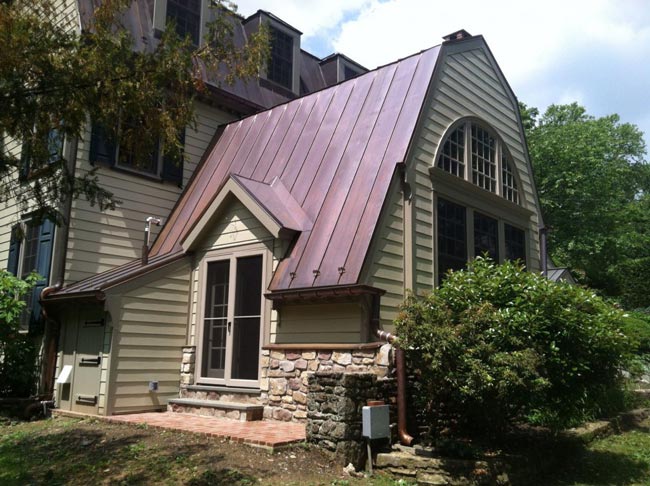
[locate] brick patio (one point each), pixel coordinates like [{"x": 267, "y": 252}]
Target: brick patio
[{"x": 267, "y": 434}]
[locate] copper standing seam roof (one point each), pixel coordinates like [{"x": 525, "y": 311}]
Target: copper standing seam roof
[{"x": 335, "y": 152}]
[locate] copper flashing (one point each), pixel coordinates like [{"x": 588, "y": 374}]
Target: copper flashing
[
  {"x": 315, "y": 293},
  {"x": 323, "y": 346}
]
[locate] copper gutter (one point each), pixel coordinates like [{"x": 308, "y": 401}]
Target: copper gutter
[
  {"x": 333, "y": 291},
  {"x": 400, "y": 362}
]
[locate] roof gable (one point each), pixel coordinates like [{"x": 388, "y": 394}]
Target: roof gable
[
  {"x": 333, "y": 151},
  {"x": 271, "y": 204}
]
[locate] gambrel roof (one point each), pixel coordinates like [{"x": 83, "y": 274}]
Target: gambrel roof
[
  {"x": 319, "y": 166},
  {"x": 335, "y": 151}
]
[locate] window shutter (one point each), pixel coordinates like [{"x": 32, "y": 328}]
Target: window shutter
[
  {"x": 14, "y": 251},
  {"x": 102, "y": 149},
  {"x": 172, "y": 169},
  {"x": 25, "y": 156},
  {"x": 43, "y": 264}
]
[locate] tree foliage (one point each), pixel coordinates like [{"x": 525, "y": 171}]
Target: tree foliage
[
  {"x": 17, "y": 351},
  {"x": 594, "y": 188},
  {"x": 496, "y": 344},
  {"x": 53, "y": 79}
]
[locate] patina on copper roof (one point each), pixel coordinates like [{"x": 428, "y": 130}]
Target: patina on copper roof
[{"x": 335, "y": 151}]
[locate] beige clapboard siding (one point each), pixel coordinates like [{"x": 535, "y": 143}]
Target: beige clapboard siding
[
  {"x": 151, "y": 330},
  {"x": 235, "y": 226},
  {"x": 318, "y": 323},
  {"x": 99, "y": 241},
  {"x": 468, "y": 85},
  {"x": 385, "y": 267},
  {"x": 10, "y": 211}
]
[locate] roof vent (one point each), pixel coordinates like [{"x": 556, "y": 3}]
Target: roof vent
[{"x": 456, "y": 36}]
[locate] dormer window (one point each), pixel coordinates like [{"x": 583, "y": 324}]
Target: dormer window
[
  {"x": 473, "y": 151},
  {"x": 186, "y": 15},
  {"x": 280, "y": 68}
]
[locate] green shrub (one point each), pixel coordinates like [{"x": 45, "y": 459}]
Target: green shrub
[
  {"x": 636, "y": 326},
  {"x": 17, "y": 351},
  {"x": 633, "y": 277},
  {"x": 495, "y": 344}
]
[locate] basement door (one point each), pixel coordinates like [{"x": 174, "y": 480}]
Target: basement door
[{"x": 232, "y": 320}]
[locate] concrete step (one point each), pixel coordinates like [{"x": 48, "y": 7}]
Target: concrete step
[{"x": 244, "y": 412}]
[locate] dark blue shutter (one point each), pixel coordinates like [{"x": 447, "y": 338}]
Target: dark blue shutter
[
  {"x": 172, "y": 169},
  {"x": 14, "y": 251},
  {"x": 43, "y": 264},
  {"x": 25, "y": 162},
  {"x": 102, "y": 149}
]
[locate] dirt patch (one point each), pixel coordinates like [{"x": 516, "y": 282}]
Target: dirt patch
[{"x": 81, "y": 452}]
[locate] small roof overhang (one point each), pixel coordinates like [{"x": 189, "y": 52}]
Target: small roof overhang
[{"x": 271, "y": 203}]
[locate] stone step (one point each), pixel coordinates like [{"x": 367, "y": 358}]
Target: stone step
[{"x": 244, "y": 412}]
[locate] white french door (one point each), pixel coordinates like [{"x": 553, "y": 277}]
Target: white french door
[{"x": 232, "y": 321}]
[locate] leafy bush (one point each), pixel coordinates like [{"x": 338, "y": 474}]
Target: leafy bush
[
  {"x": 633, "y": 277},
  {"x": 495, "y": 344},
  {"x": 636, "y": 325},
  {"x": 17, "y": 351}
]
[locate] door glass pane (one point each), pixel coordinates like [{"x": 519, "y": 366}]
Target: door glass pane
[
  {"x": 247, "y": 318},
  {"x": 215, "y": 320}
]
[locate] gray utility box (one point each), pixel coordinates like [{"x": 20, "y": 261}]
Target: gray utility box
[{"x": 375, "y": 422}]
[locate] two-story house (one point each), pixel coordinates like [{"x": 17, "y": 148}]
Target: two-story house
[{"x": 94, "y": 241}]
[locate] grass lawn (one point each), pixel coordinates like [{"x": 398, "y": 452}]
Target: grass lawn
[
  {"x": 90, "y": 452},
  {"x": 84, "y": 452}
]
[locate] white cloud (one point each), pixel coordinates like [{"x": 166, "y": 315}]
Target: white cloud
[{"x": 594, "y": 51}]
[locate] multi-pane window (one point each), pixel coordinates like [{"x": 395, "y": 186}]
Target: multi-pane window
[
  {"x": 489, "y": 164},
  {"x": 515, "y": 242},
  {"x": 486, "y": 236},
  {"x": 509, "y": 182},
  {"x": 484, "y": 165},
  {"x": 452, "y": 156},
  {"x": 107, "y": 151},
  {"x": 280, "y": 67},
  {"x": 452, "y": 236},
  {"x": 186, "y": 16}
]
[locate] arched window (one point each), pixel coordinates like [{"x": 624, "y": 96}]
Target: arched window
[{"x": 473, "y": 151}]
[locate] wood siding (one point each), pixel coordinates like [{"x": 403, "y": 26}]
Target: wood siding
[
  {"x": 150, "y": 326},
  {"x": 468, "y": 86},
  {"x": 318, "y": 323},
  {"x": 99, "y": 241},
  {"x": 386, "y": 264}
]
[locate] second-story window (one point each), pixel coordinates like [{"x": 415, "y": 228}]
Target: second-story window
[
  {"x": 280, "y": 68},
  {"x": 106, "y": 151},
  {"x": 186, "y": 15}
]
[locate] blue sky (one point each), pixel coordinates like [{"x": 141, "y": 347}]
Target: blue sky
[{"x": 595, "y": 52}]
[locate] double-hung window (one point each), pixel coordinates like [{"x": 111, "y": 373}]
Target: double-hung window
[
  {"x": 186, "y": 17},
  {"x": 280, "y": 66},
  {"x": 30, "y": 250}
]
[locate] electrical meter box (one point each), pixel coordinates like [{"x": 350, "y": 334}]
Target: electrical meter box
[{"x": 375, "y": 422}]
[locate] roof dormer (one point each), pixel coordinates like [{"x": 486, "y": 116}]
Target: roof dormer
[
  {"x": 283, "y": 69},
  {"x": 338, "y": 67}
]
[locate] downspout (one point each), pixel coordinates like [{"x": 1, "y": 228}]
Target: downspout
[
  {"x": 543, "y": 250},
  {"x": 400, "y": 362},
  {"x": 52, "y": 331}
]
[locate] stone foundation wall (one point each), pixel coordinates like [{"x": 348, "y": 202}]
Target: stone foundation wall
[
  {"x": 284, "y": 381},
  {"x": 334, "y": 411},
  {"x": 285, "y": 378}
]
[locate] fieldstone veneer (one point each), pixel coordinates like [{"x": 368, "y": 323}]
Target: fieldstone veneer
[
  {"x": 284, "y": 383},
  {"x": 285, "y": 375}
]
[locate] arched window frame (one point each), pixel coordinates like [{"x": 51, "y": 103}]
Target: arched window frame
[{"x": 464, "y": 169}]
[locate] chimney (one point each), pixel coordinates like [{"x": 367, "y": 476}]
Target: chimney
[{"x": 456, "y": 36}]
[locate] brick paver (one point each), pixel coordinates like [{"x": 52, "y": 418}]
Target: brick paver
[{"x": 269, "y": 434}]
